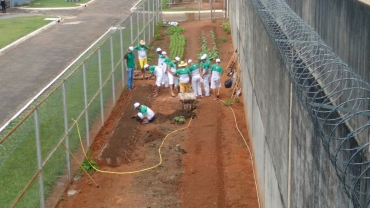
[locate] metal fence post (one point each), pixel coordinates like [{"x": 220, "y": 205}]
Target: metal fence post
[
  {"x": 112, "y": 64},
  {"x": 148, "y": 14},
  {"x": 157, "y": 10},
  {"x": 86, "y": 105},
  {"x": 131, "y": 31},
  {"x": 138, "y": 25},
  {"x": 101, "y": 88},
  {"x": 144, "y": 25},
  {"x": 122, "y": 60},
  {"x": 39, "y": 159},
  {"x": 65, "y": 115},
  {"x": 153, "y": 17}
]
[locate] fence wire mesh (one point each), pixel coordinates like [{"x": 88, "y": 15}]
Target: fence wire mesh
[
  {"x": 31, "y": 154},
  {"x": 334, "y": 95}
]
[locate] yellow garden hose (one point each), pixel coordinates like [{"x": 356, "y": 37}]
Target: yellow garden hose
[
  {"x": 130, "y": 172},
  {"x": 250, "y": 152}
]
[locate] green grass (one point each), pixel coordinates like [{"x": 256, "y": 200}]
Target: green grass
[
  {"x": 14, "y": 28},
  {"x": 22, "y": 162},
  {"x": 54, "y": 3}
]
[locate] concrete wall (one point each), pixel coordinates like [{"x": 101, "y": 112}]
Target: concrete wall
[
  {"x": 279, "y": 124},
  {"x": 343, "y": 25}
]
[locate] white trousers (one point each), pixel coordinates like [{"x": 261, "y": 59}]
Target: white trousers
[
  {"x": 195, "y": 85},
  {"x": 206, "y": 84},
  {"x": 216, "y": 83},
  {"x": 172, "y": 80},
  {"x": 165, "y": 75}
]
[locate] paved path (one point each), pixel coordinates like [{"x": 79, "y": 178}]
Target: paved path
[{"x": 28, "y": 67}]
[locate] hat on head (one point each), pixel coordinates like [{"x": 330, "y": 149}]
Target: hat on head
[
  {"x": 146, "y": 66},
  {"x": 136, "y": 105},
  {"x": 158, "y": 49},
  {"x": 183, "y": 63},
  {"x": 190, "y": 61},
  {"x": 218, "y": 60},
  {"x": 131, "y": 48},
  {"x": 164, "y": 53},
  {"x": 203, "y": 57},
  {"x": 142, "y": 42},
  {"x": 177, "y": 59}
]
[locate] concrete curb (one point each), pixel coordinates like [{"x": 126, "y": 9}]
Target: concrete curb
[
  {"x": 30, "y": 35},
  {"x": 183, "y": 12},
  {"x": 58, "y": 8}
]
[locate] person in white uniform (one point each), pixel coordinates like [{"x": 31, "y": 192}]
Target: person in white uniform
[
  {"x": 216, "y": 72},
  {"x": 172, "y": 80},
  {"x": 205, "y": 66},
  {"x": 158, "y": 73},
  {"x": 145, "y": 114},
  {"x": 164, "y": 68},
  {"x": 195, "y": 81}
]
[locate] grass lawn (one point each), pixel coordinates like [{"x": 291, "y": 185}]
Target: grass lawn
[
  {"x": 14, "y": 28},
  {"x": 54, "y": 3}
]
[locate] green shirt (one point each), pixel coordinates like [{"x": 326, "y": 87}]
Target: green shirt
[
  {"x": 216, "y": 71},
  {"x": 151, "y": 69},
  {"x": 130, "y": 60},
  {"x": 141, "y": 50},
  {"x": 167, "y": 60},
  {"x": 143, "y": 109},
  {"x": 194, "y": 69},
  {"x": 184, "y": 74},
  {"x": 206, "y": 65},
  {"x": 172, "y": 66}
]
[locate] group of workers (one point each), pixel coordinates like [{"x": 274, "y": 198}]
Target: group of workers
[{"x": 180, "y": 76}]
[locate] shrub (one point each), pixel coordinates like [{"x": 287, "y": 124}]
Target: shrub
[
  {"x": 158, "y": 36},
  {"x": 226, "y": 27},
  {"x": 158, "y": 27},
  {"x": 223, "y": 39}
]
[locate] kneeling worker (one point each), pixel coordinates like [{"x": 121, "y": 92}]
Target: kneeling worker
[{"x": 145, "y": 114}]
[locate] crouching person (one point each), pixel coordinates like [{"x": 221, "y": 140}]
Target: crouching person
[{"x": 145, "y": 115}]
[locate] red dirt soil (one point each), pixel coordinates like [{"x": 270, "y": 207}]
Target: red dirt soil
[{"x": 212, "y": 169}]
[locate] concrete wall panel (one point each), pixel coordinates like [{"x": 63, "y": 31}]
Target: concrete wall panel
[{"x": 266, "y": 95}]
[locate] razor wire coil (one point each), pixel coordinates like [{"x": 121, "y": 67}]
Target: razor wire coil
[{"x": 336, "y": 98}]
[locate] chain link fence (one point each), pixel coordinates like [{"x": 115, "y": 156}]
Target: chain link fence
[{"x": 32, "y": 153}]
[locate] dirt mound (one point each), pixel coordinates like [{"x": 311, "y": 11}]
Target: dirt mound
[{"x": 153, "y": 135}]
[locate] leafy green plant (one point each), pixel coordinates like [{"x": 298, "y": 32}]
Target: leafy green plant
[
  {"x": 223, "y": 39},
  {"x": 89, "y": 165},
  {"x": 175, "y": 30},
  {"x": 212, "y": 55},
  {"x": 179, "y": 119},
  {"x": 158, "y": 27},
  {"x": 177, "y": 46},
  {"x": 158, "y": 36},
  {"x": 226, "y": 27}
]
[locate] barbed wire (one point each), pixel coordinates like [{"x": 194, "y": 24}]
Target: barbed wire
[{"x": 336, "y": 98}]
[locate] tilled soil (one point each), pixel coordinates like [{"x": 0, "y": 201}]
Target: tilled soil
[{"x": 202, "y": 163}]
